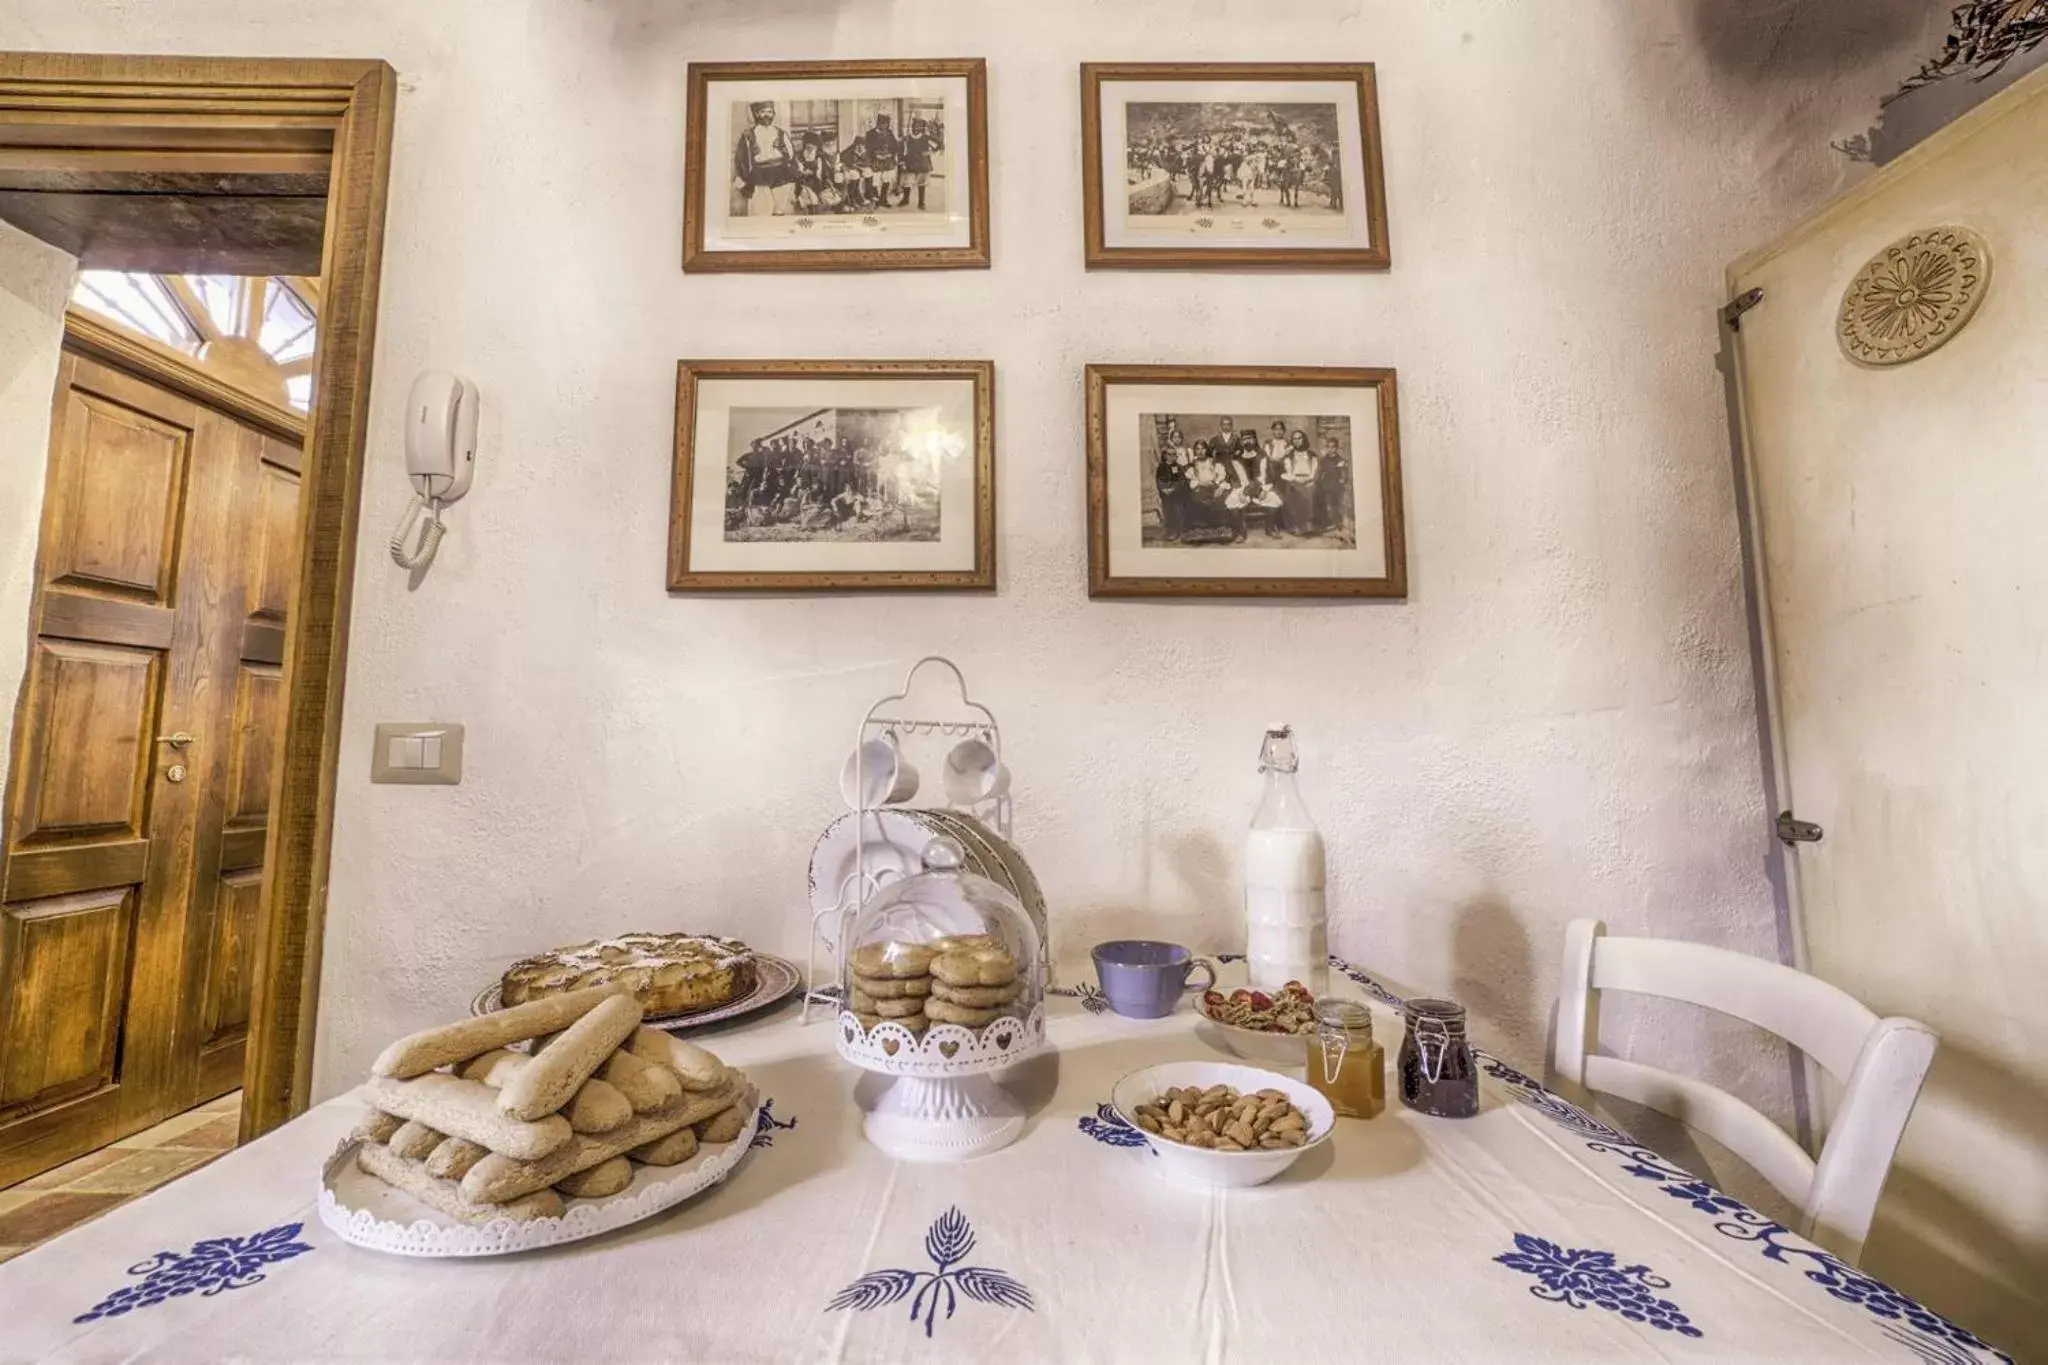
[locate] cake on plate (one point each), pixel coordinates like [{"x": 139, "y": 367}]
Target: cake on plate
[{"x": 668, "y": 973}]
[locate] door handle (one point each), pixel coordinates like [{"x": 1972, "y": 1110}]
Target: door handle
[
  {"x": 178, "y": 740},
  {"x": 1793, "y": 830}
]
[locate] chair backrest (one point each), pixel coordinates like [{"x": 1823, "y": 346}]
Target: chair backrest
[{"x": 1880, "y": 1062}]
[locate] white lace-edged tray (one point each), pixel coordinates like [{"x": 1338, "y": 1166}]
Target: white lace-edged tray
[
  {"x": 774, "y": 979},
  {"x": 359, "y": 1208}
]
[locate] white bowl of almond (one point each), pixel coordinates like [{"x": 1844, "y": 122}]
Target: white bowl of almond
[{"x": 1220, "y": 1126}]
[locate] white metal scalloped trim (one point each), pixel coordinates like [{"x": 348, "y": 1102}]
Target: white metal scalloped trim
[{"x": 991, "y": 1047}]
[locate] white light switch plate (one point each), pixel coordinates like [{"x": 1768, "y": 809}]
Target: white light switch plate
[{"x": 422, "y": 753}]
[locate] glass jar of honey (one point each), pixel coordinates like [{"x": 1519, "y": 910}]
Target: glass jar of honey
[{"x": 1344, "y": 1062}]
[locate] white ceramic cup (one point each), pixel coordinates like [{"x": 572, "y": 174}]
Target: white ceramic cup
[
  {"x": 972, "y": 773},
  {"x": 880, "y": 768}
]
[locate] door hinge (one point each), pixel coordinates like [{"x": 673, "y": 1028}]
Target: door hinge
[
  {"x": 1732, "y": 311},
  {"x": 1794, "y": 831}
]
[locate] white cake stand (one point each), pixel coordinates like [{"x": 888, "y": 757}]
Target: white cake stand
[{"x": 944, "y": 1104}]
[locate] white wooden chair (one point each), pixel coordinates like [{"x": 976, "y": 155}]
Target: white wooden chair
[{"x": 1880, "y": 1062}]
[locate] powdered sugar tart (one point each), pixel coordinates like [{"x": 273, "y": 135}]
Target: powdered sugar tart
[{"x": 669, "y": 973}]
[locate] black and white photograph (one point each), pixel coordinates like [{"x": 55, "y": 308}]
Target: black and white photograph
[
  {"x": 833, "y": 475},
  {"x": 836, "y": 474},
  {"x": 1281, "y": 161},
  {"x": 860, "y": 165},
  {"x": 1263, "y": 481},
  {"x": 1232, "y": 165},
  {"x": 1244, "y": 481},
  {"x": 804, "y": 158}
]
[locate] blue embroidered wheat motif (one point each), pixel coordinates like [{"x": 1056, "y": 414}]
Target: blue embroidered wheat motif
[
  {"x": 1106, "y": 1125},
  {"x": 211, "y": 1266},
  {"x": 1554, "y": 1107},
  {"x": 1091, "y": 997},
  {"x": 765, "y": 1125},
  {"x": 946, "y": 1243},
  {"x": 1582, "y": 1277}
]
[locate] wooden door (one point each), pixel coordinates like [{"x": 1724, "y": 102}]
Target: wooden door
[
  {"x": 1898, "y": 509},
  {"x": 133, "y": 858}
]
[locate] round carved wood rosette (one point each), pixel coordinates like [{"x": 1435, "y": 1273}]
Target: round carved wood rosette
[{"x": 1913, "y": 296}]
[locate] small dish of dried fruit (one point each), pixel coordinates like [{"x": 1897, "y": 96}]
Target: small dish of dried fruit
[
  {"x": 1215, "y": 1125},
  {"x": 1263, "y": 1027}
]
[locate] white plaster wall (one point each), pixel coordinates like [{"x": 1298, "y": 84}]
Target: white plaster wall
[
  {"x": 35, "y": 280},
  {"x": 1559, "y": 721}
]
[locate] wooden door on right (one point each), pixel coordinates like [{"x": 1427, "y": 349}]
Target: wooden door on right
[
  {"x": 1898, "y": 491},
  {"x": 138, "y": 796}
]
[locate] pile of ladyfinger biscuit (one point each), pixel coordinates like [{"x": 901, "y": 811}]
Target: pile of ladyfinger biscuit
[{"x": 477, "y": 1131}]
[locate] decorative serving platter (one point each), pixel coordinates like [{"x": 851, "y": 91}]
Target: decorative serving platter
[
  {"x": 361, "y": 1209},
  {"x": 1005, "y": 866},
  {"x": 896, "y": 841},
  {"x": 773, "y": 980}
]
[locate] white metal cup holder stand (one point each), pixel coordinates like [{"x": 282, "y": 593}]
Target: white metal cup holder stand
[
  {"x": 942, "y": 1102},
  {"x": 964, "y": 718}
]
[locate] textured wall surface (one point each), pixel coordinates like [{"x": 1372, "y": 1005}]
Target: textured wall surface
[
  {"x": 1559, "y": 721},
  {"x": 35, "y": 279}
]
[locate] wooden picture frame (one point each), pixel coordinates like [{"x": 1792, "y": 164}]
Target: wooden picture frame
[
  {"x": 1260, "y": 231},
  {"x": 903, "y": 461},
  {"x": 715, "y": 235},
  {"x": 1357, "y": 536}
]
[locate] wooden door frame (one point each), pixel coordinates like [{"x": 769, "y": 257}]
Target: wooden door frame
[{"x": 67, "y": 111}]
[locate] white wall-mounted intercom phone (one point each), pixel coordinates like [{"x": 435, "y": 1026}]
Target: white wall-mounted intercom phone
[{"x": 440, "y": 458}]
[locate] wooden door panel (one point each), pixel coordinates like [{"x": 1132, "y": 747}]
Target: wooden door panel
[
  {"x": 231, "y": 958},
  {"x": 115, "y": 499},
  {"x": 32, "y": 874},
  {"x": 89, "y": 729},
  {"x": 77, "y": 616},
  {"x": 274, "y": 566},
  {"x": 130, "y": 901},
  {"x": 63, "y": 975},
  {"x": 258, "y": 716}
]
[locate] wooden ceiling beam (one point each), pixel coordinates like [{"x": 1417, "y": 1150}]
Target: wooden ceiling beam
[
  {"x": 45, "y": 167},
  {"x": 166, "y": 234}
]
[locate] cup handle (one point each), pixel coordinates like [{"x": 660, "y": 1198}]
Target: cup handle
[{"x": 1202, "y": 964}]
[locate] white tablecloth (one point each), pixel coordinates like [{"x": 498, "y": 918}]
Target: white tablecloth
[{"x": 1528, "y": 1233}]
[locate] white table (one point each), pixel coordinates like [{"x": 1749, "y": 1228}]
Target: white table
[{"x": 1531, "y": 1232}]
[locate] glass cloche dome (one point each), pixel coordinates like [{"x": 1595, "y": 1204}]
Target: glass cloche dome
[{"x": 944, "y": 946}]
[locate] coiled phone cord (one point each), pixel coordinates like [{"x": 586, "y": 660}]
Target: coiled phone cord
[{"x": 430, "y": 534}]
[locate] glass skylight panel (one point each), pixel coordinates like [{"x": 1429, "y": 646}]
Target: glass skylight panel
[
  {"x": 287, "y": 333},
  {"x": 137, "y": 301},
  {"x": 222, "y": 295}
]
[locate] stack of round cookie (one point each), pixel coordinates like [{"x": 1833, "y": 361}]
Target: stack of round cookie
[
  {"x": 966, "y": 979},
  {"x": 891, "y": 982},
  {"x": 974, "y": 981}
]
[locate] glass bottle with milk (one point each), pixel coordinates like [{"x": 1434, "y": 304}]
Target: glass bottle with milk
[{"x": 1286, "y": 938}]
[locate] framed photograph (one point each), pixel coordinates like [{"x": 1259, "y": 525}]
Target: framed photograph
[
  {"x": 836, "y": 166},
  {"x": 1261, "y": 165},
  {"x": 797, "y": 475},
  {"x": 1243, "y": 481}
]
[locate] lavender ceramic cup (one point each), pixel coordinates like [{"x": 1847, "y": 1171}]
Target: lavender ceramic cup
[{"x": 1145, "y": 979}]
